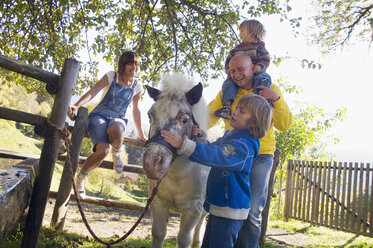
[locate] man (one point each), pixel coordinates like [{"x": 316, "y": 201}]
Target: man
[{"x": 241, "y": 71}]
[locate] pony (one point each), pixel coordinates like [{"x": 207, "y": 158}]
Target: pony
[{"x": 182, "y": 189}]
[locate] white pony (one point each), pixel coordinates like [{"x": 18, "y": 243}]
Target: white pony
[{"x": 183, "y": 183}]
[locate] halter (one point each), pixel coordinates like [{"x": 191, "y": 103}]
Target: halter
[{"x": 158, "y": 140}]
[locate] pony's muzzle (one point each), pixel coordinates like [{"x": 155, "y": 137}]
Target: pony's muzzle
[{"x": 156, "y": 160}]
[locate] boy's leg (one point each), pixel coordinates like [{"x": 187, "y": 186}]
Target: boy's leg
[
  {"x": 221, "y": 232},
  {"x": 259, "y": 178},
  {"x": 262, "y": 79},
  {"x": 229, "y": 90}
]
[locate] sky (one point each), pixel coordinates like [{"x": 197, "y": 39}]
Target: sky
[{"x": 345, "y": 80}]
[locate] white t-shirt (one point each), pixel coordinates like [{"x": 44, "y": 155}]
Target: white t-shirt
[{"x": 110, "y": 76}]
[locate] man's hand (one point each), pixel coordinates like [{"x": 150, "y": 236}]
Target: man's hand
[
  {"x": 173, "y": 139},
  {"x": 268, "y": 93}
]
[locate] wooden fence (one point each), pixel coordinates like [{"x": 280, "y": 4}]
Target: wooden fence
[
  {"x": 331, "y": 194},
  {"x": 61, "y": 86}
]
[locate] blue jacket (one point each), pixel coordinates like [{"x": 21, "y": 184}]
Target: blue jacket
[{"x": 230, "y": 158}]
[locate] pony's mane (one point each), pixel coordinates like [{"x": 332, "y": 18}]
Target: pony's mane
[{"x": 178, "y": 83}]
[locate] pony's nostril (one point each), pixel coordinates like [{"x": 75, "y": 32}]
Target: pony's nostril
[{"x": 158, "y": 162}]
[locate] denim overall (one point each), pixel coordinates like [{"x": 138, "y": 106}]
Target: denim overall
[{"x": 111, "y": 109}]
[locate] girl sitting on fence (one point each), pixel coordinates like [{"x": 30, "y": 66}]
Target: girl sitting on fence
[{"x": 107, "y": 122}]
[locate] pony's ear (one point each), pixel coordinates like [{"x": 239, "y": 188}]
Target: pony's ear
[
  {"x": 153, "y": 92},
  {"x": 194, "y": 94}
]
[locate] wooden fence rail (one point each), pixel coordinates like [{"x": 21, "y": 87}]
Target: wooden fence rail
[
  {"x": 331, "y": 194},
  {"x": 62, "y": 87}
]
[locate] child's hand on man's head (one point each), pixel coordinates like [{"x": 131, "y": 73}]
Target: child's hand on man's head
[{"x": 173, "y": 139}]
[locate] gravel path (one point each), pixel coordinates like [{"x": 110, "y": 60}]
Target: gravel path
[
  {"x": 107, "y": 222},
  {"x": 111, "y": 222}
]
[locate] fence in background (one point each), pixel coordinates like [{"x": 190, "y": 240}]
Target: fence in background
[{"x": 331, "y": 194}]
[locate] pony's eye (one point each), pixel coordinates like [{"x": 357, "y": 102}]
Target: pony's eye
[{"x": 185, "y": 119}]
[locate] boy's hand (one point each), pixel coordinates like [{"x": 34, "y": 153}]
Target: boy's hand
[
  {"x": 196, "y": 132},
  {"x": 257, "y": 68},
  {"x": 173, "y": 139}
]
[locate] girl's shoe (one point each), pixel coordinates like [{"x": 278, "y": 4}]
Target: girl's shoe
[
  {"x": 117, "y": 161},
  {"x": 79, "y": 184}
]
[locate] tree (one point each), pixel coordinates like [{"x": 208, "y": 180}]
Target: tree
[
  {"x": 307, "y": 136},
  {"x": 340, "y": 20},
  {"x": 192, "y": 36}
]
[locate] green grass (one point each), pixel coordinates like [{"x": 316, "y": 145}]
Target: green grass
[
  {"x": 101, "y": 183},
  {"x": 59, "y": 239},
  {"x": 322, "y": 236},
  {"x": 14, "y": 140}
]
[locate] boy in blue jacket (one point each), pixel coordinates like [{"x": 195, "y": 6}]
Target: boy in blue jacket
[{"x": 230, "y": 158}]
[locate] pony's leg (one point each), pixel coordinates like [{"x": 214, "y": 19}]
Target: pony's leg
[
  {"x": 188, "y": 221},
  {"x": 199, "y": 230},
  {"x": 160, "y": 215}
]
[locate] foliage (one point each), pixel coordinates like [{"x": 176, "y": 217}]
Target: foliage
[
  {"x": 306, "y": 138},
  {"x": 169, "y": 35},
  {"x": 340, "y": 20},
  {"x": 134, "y": 153}
]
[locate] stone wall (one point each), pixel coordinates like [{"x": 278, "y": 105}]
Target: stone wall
[{"x": 15, "y": 194}]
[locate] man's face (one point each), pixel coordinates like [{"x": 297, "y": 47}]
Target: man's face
[{"x": 241, "y": 71}]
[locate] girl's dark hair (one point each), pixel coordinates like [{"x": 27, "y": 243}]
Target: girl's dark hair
[
  {"x": 128, "y": 57},
  {"x": 261, "y": 114}
]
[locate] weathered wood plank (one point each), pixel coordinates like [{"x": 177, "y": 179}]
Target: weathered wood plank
[
  {"x": 104, "y": 202},
  {"x": 20, "y": 116},
  {"x": 30, "y": 71},
  {"x": 108, "y": 165},
  {"x": 49, "y": 154},
  {"x": 64, "y": 189}
]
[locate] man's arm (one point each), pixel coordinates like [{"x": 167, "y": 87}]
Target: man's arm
[
  {"x": 213, "y": 106},
  {"x": 282, "y": 116}
]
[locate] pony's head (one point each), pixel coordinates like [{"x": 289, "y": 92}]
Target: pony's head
[{"x": 172, "y": 111}]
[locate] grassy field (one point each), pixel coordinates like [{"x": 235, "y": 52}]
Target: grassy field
[{"x": 101, "y": 184}]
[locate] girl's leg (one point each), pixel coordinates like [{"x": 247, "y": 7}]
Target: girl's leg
[
  {"x": 115, "y": 134},
  {"x": 96, "y": 129},
  {"x": 92, "y": 162},
  {"x": 96, "y": 158}
]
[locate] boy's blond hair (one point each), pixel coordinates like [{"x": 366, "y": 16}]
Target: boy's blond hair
[
  {"x": 261, "y": 114},
  {"x": 255, "y": 28}
]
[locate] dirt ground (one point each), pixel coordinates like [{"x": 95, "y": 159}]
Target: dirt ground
[{"x": 109, "y": 222}]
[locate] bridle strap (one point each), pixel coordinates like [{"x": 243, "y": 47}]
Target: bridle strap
[{"x": 157, "y": 139}]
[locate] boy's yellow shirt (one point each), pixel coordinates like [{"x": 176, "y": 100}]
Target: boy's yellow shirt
[{"x": 281, "y": 120}]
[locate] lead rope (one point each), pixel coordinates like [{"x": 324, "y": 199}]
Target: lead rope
[{"x": 64, "y": 133}]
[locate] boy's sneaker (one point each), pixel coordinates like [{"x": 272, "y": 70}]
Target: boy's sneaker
[
  {"x": 117, "y": 161},
  {"x": 79, "y": 184},
  {"x": 224, "y": 112}
]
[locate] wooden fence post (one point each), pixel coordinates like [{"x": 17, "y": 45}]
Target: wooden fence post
[
  {"x": 265, "y": 213},
  {"x": 64, "y": 190},
  {"x": 49, "y": 154}
]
